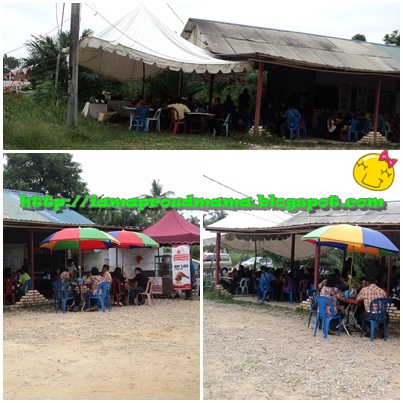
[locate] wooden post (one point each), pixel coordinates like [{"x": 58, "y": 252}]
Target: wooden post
[
  {"x": 377, "y": 102},
  {"x": 217, "y": 258},
  {"x": 32, "y": 257},
  {"x": 292, "y": 252},
  {"x": 316, "y": 269},
  {"x": 258, "y": 97},
  {"x": 211, "y": 90},
  {"x": 72, "y": 103}
]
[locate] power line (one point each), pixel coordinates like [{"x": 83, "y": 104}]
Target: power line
[{"x": 176, "y": 15}]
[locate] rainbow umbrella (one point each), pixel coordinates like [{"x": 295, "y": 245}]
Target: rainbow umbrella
[
  {"x": 79, "y": 239},
  {"x": 131, "y": 239},
  {"x": 352, "y": 238}
]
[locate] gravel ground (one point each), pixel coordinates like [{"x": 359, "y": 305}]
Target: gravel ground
[
  {"x": 254, "y": 352},
  {"x": 141, "y": 352}
]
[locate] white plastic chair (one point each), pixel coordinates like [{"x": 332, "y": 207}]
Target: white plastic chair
[
  {"x": 156, "y": 118},
  {"x": 226, "y": 124}
]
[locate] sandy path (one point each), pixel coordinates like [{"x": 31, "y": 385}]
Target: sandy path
[
  {"x": 141, "y": 352},
  {"x": 257, "y": 353}
]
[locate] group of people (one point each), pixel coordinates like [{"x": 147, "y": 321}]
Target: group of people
[
  {"x": 94, "y": 278},
  {"x": 20, "y": 279},
  {"x": 367, "y": 291}
]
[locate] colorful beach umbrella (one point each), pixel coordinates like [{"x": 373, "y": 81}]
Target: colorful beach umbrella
[
  {"x": 131, "y": 239},
  {"x": 352, "y": 238},
  {"x": 79, "y": 238}
]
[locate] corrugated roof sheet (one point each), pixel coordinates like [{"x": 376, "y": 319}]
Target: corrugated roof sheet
[
  {"x": 13, "y": 211},
  {"x": 293, "y": 48},
  {"x": 390, "y": 217}
]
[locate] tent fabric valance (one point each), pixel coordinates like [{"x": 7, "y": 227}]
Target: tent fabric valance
[{"x": 140, "y": 46}]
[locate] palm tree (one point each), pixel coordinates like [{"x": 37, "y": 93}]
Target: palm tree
[{"x": 156, "y": 213}]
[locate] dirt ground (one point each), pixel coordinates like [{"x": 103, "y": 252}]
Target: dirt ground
[
  {"x": 136, "y": 353},
  {"x": 255, "y": 352}
]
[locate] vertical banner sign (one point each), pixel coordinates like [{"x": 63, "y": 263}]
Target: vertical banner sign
[{"x": 181, "y": 267}]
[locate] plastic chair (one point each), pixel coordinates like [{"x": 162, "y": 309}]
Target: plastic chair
[
  {"x": 386, "y": 131},
  {"x": 148, "y": 293},
  {"x": 156, "y": 118},
  {"x": 175, "y": 122},
  {"x": 243, "y": 286},
  {"x": 321, "y": 316},
  {"x": 303, "y": 129},
  {"x": 61, "y": 295},
  {"x": 303, "y": 285},
  {"x": 290, "y": 289},
  {"x": 10, "y": 289},
  {"x": 352, "y": 124},
  {"x": 116, "y": 291},
  {"x": 294, "y": 129},
  {"x": 313, "y": 305},
  {"x": 378, "y": 314},
  {"x": 264, "y": 290},
  {"x": 102, "y": 296},
  {"x": 140, "y": 119},
  {"x": 365, "y": 130},
  {"x": 225, "y": 124},
  {"x": 26, "y": 285}
]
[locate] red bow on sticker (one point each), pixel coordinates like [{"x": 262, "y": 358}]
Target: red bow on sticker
[{"x": 385, "y": 157}]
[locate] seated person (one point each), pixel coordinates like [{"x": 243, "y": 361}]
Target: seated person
[
  {"x": 331, "y": 291},
  {"x": 123, "y": 280},
  {"x": 181, "y": 108},
  {"x": 93, "y": 280},
  {"x": 139, "y": 282},
  {"x": 65, "y": 277},
  {"x": 105, "y": 273},
  {"x": 367, "y": 295}
]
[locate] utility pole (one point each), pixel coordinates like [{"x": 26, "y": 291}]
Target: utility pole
[{"x": 72, "y": 103}]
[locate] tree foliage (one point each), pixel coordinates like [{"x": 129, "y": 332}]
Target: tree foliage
[
  {"x": 393, "y": 38},
  {"x": 10, "y": 63},
  {"x": 359, "y": 37},
  {"x": 212, "y": 217},
  {"x": 52, "y": 174}
]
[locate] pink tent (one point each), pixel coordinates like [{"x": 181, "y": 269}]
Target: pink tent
[{"x": 173, "y": 229}]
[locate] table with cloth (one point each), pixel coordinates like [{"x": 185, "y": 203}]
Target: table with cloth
[{"x": 93, "y": 109}]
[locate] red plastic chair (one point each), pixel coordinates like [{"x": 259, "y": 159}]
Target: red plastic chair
[
  {"x": 10, "y": 289},
  {"x": 175, "y": 122},
  {"x": 116, "y": 291},
  {"x": 148, "y": 293}
]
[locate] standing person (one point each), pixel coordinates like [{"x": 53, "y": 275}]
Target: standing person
[
  {"x": 140, "y": 282},
  {"x": 244, "y": 101},
  {"x": 331, "y": 291},
  {"x": 219, "y": 116},
  {"x": 71, "y": 268},
  {"x": 188, "y": 293},
  {"x": 93, "y": 280},
  {"x": 367, "y": 295}
]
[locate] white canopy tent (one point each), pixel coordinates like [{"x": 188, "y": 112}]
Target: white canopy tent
[
  {"x": 139, "y": 46},
  {"x": 243, "y": 231}
]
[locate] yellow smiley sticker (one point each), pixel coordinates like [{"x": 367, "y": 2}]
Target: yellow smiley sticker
[{"x": 375, "y": 171}]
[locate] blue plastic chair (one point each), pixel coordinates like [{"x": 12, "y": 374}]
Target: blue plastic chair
[
  {"x": 61, "y": 295},
  {"x": 243, "y": 286},
  {"x": 294, "y": 129},
  {"x": 156, "y": 118},
  {"x": 264, "y": 290},
  {"x": 378, "y": 309},
  {"x": 140, "y": 119},
  {"x": 313, "y": 305},
  {"x": 26, "y": 285},
  {"x": 365, "y": 130},
  {"x": 352, "y": 124},
  {"x": 322, "y": 318},
  {"x": 102, "y": 296}
]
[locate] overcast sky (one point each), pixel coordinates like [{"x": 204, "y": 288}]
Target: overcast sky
[
  {"x": 287, "y": 173},
  {"x": 342, "y": 19}
]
